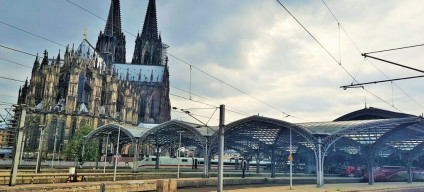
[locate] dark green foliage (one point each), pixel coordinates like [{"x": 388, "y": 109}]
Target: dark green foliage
[{"x": 75, "y": 145}]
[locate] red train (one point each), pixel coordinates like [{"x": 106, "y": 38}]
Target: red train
[{"x": 396, "y": 173}]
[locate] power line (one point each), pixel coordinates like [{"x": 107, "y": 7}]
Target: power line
[
  {"x": 12, "y": 79},
  {"x": 232, "y": 86},
  {"x": 316, "y": 40},
  {"x": 284, "y": 113},
  {"x": 227, "y": 107},
  {"x": 319, "y": 43},
  {"x": 6, "y": 103},
  {"x": 8, "y": 96},
  {"x": 195, "y": 115},
  {"x": 17, "y": 50},
  {"x": 399, "y": 48},
  {"x": 82, "y": 8},
  {"x": 360, "y": 52},
  {"x": 182, "y": 97},
  {"x": 395, "y": 84},
  {"x": 23, "y": 30},
  {"x": 15, "y": 63}
]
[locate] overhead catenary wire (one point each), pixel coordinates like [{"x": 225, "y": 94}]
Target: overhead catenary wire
[
  {"x": 232, "y": 86},
  {"x": 182, "y": 97},
  {"x": 212, "y": 76},
  {"x": 16, "y": 63},
  {"x": 394, "y": 83},
  {"x": 7, "y": 103},
  {"x": 6, "y": 47},
  {"x": 12, "y": 79},
  {"x": 211, "y": 100},
  {"x": 360, "y": 52},
  {"x": 331, "y": 55},
  {"x": 394, "y": 49},
  {"x": 69, "y": 1},
  {"x": 8, "y": 96},
  {"x": 23, "y": 30},
  {"x": 197, "y": 115},
  {"x": 23, "y": 52},
  {"x": 36, "y": 55}
]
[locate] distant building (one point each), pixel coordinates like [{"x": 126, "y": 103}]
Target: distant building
[
  {"x": 93, "y": 86},
  {"x": 5, "y": 150},
  {"x": 3, "y": 137}
]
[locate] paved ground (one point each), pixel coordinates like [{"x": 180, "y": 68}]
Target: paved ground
[{"x": 395, "y": 186}]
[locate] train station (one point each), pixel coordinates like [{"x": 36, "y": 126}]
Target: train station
[
  {"x": 385, "y": 140},
  {"x": 230, "y": 96}
]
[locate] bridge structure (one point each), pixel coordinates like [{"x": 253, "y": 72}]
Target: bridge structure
[{"x": 365, "y": 132}]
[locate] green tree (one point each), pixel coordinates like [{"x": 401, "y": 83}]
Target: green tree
[{"x": 74, "y": 147}]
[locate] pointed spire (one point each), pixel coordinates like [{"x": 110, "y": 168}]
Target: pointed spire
[
  {"x": 150, "y": 27},
  {"x": 45, "y": 61},
  {"x": 113, "y": 23},
  {"x": 67, "y": 50},
  {"x": 36, "y": 64},
  {"x": 26, "y": 83},
  {"x": 58, "y": 58}
]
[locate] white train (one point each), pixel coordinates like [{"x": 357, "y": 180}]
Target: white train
[{"x": 194, "y": 163}]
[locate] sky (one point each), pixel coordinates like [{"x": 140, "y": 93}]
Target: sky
[{"x": 253, "y": 45}]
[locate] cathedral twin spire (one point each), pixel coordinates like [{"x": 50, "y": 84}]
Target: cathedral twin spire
[
  {"x": 113, "y": 24},
  {"x": 148, "y": 46},
  {"x": 111, "y": 43},
  {"x": 150, "y": 27}
]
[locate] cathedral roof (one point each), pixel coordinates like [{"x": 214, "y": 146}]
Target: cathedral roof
[
  {"x": 85, "y": 49},
  {"x": 83, "y": 108},
  {"x": 141, "y": 73}
]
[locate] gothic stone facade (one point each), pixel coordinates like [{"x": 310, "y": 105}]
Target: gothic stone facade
[{"x": 94, "y": 86}]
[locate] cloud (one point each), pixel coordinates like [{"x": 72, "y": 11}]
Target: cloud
[{"x": 254, "y": 45}]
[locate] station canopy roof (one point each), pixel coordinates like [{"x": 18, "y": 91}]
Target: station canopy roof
[
  {"x": 129, "y": 133},
  {"x": 395, "y": 131}
]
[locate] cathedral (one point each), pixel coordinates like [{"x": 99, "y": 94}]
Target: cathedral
[{"x": 93, "y": 85}]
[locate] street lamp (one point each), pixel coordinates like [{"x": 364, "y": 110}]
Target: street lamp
[{"x": 178, "y": 152}]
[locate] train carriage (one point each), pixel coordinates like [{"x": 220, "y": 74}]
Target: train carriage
[{"x": 193, "y": 163}]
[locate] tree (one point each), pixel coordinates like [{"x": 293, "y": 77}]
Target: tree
[{"x": 74, "y": 147}]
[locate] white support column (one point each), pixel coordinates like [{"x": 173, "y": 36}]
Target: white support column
[
  {"x": 17, "y": 149},
  {"x": 22, "y": 149},
  {"x": 135, "y": 161},
  {"x": 54, "y": 145},
  {"x": 205, "y": 161},
  {"x": 40, "y": 144},
  {"x": 221, "y": 148},
  {"x": 320, "y": 172},
  {"x": 291, "y": 162},
  {"x": 116, "y": 155},
  {"x": 107, "y": 143}
]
